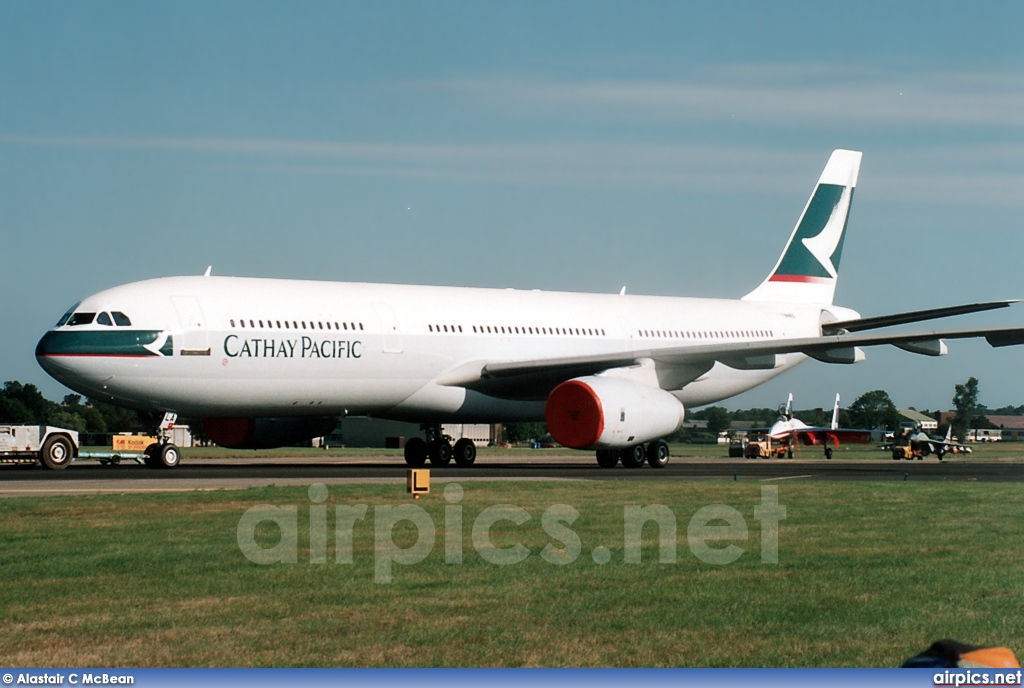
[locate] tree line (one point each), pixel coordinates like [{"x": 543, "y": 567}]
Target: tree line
[
  {"x": 871, "y": 410},
  {"x": 24, "y": 404}
]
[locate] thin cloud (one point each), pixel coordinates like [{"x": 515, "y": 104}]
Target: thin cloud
[
  {"x": 568, "y": 164},
  {"x": 980, "y": 174},
  {"x": 767, "y": 94}
]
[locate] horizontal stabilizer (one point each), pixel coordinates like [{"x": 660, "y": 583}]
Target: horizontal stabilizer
[{"x": 873, "y": 323}]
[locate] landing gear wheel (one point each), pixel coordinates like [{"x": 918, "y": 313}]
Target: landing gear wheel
[
  {"x": 607, "y": 458},
  {"x": 440, "y": 453},
  {"x": 416, "y": 451},
  {"x": 789, "y": 454},
  {"x": 56, "y": 453},
  {"x": 465, "y": 452},
  {"x": 633, "y": 457},
  {"x": 657, "y": 454},
  {"x": 828, "y": 453},
  {"x": 167, "y": 456}
]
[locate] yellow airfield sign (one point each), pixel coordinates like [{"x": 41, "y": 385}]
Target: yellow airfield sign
[{"x": 418, "y": 482}]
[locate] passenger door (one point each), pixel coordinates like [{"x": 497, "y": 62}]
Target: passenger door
[
  {"x": 195, "y": 340},
  {"x": 392, "y": 337}
]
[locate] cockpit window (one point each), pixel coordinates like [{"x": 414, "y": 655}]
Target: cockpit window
[
  {"x": 104, "y": 319},
  {"x": 121, "y": 320},
  {"x": 67, "y": 316},
  {"x": 81, "y": 319}
]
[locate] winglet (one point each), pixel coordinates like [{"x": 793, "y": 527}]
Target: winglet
[{"x": 808, "y": 268}]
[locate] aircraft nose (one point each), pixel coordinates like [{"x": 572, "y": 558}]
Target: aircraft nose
[
  {"x": 50, "y": 355},
  {"x": 47, "y": 346},
  {"x": 85, "y": 357}
]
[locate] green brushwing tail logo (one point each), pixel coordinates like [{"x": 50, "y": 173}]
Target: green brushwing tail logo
[{"x": 817, "y": 245}]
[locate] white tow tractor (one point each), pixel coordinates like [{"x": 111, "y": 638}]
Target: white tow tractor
[{"x": 53, "y": 447}]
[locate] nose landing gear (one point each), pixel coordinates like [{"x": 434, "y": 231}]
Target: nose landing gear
[{"x": 164, "y": 454}]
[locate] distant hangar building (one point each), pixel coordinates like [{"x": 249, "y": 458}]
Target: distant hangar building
[
  {"x": 911, "y": 419},
  {"x": 364, "y": 432}
]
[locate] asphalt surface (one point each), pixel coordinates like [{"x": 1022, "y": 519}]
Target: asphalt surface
[{"x": 89, "y": 477}]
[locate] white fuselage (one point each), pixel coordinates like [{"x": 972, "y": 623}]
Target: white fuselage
[{"x": 267, "y": 347}]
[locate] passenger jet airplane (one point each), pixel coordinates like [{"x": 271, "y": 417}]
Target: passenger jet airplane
[{"x": 268, "y": 362}]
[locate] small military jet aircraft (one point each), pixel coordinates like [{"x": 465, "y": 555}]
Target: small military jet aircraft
[
  {"x": 789, "y": 431},
  {"x": 916, "y": 444}
]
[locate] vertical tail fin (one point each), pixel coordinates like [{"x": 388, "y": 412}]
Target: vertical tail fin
[
  {"x": 809, "y": 266},
  {"x": 835, "y": 414}
]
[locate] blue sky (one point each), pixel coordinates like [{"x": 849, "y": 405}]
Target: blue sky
[{"x": 665, "y": 146}]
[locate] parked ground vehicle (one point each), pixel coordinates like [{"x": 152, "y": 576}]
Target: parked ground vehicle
[
  {"x": 762, "y": 446},
  {"x": 904, "y": 450},
  {"x": 737, "y": 445},
  {"x": 53, "y": 447}
]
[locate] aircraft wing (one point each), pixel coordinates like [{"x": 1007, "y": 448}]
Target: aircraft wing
[
  {"x": 535, "y": 378},
  {"x": 834, "y": 436}
]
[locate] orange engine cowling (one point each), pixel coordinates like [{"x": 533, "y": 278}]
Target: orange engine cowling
[
  {"x": 266, "y": 433},
  {"x": 607, "y": 412}
]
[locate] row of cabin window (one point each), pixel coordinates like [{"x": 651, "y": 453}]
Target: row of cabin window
[
  {"x": 294, "y": 325},
  {"x": 714, "y": 334},
  {"x": 510, "y": 329}
]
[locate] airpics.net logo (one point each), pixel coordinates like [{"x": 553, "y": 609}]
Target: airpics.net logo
[{"x": 706, "y": 532}]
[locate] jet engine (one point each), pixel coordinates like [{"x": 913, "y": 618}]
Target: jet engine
[
  {"x": 266, "y": 433},
  {"x": 610, "y": 412}
]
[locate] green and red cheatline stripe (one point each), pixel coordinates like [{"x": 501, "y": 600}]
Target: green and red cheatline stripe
[{"x": 115, "y": 343}]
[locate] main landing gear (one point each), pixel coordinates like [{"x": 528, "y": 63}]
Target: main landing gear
[
  {"x": 438, "y": 448},
  {"x": 163, "y": 454},
  {"x": 654, "y": 454}
]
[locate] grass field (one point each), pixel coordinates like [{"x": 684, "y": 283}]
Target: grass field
[{"x": 867, "y": 575}]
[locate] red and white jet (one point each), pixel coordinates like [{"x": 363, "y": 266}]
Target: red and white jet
[{"x": 793, "y": 431}]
